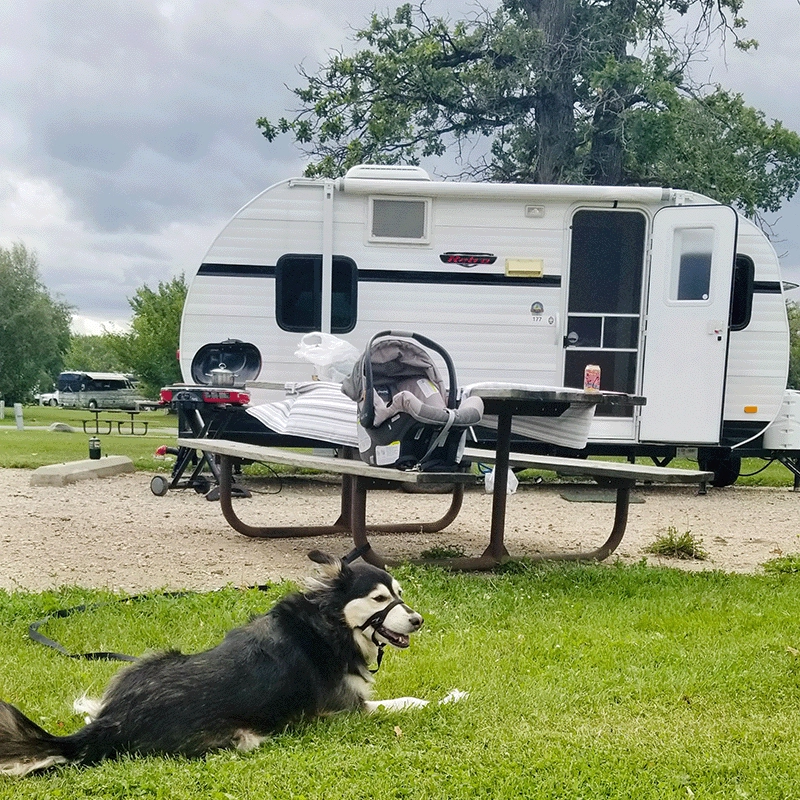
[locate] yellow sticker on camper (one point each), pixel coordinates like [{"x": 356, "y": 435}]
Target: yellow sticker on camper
[{"x": 524, "y": 267}]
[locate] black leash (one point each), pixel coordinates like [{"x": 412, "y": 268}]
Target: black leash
[
  {"x": 110, "y": 655},
  {"x": 355, "y": 553},
  {"x": 101, "y": 655}
]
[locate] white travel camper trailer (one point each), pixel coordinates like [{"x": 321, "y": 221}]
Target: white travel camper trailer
[{"x": 673, "y": 295}]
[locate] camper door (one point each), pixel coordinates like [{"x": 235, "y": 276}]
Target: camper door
[{"x": 686, "y": 339}]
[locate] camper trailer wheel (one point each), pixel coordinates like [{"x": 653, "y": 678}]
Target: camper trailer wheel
[
  {"x": 159, "y": 485},
  {"x": 92, "y": 404},
  {"x": 726, "y": 468}
]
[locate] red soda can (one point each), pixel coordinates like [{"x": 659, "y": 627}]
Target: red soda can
[{"x": 591, "y": 378}]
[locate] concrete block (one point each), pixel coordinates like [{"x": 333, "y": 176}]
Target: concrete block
[
  {"x": 60, "y": 427},
  {"x": 73, "y": 471}
]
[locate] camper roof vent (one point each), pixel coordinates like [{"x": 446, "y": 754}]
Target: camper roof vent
[{"x": 388, "y": 172}]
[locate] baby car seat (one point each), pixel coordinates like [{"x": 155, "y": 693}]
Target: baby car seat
[{"x": 407, "y": 417}]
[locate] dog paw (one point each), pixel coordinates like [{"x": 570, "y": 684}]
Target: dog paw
[
  {"x": 89, "y": 707},
  {"x": 454, "y": 697},
  {"x": 397, "y": 704}
]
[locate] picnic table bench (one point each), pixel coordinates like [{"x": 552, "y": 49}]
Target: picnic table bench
[
  {"x": 358, "y": 478},
  {"x": 109, "y": 423},
  {"x": 601, "y": 471}
]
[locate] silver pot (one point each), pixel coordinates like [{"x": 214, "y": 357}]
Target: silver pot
[{"x": 221, "y": 376}]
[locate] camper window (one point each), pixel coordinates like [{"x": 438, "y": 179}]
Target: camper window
[
  {"x": 742, "y": 303},
  {"x": 298, "y": 293},
  {"x": 691, "y": 278},
  {"x": 399, "y": 220}
]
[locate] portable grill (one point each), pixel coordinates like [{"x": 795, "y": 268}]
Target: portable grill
[
  {"x": 205, "y": 409},
  {"x": 200, "y": 410}
]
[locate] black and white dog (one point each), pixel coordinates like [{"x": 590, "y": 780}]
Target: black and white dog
[{"x": 307, "y": 657}]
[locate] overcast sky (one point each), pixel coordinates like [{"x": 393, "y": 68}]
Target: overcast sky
[{"x": 128, "y": 137}]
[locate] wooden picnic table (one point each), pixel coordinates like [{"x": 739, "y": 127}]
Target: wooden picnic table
[{"x": 358, "y": 478}]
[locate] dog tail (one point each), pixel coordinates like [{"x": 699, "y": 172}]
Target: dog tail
[{"x": 25, "y": 747}]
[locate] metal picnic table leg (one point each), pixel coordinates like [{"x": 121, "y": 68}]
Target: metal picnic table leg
[
  {"x": 497, "y": 549},
  {"x": 456, "y": 501},
  {"x": 348, "y": 487},
  {"x": 345, "y": 512},
  {"x": 614, "y": 538},
  {"x": 358, "y": 524},
  {"x": 265, "y": 532}
]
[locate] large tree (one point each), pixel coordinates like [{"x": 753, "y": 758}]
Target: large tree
[
  {"x": 34, "y": 327},
  {"x": 150, "y": 349},
  {"x": 564, "y": 91}
]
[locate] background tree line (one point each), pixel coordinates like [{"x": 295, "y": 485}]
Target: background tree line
[{"x": 36, "y": 343}]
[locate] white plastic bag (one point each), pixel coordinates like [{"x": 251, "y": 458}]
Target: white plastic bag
[
  {"x": 511, "y": 487},
  {"x": 333, "y": 359}
]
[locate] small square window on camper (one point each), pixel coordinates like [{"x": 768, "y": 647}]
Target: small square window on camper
[
  {"x": 298, "y": 293},
  {"x": 398, "y": 220}
]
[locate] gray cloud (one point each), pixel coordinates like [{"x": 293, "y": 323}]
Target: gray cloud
[
  {"x": 140, "y": 117},
  {"x": 128, "y": 137}
]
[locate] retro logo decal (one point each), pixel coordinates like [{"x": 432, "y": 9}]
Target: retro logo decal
[{"x": 468, "y": 259}]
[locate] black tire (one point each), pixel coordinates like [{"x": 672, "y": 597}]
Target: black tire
[
  {"x": 726, "y": 468},
  {"x": 159, "y": 485},
  {"x": 92, "y": 405},
  {"x": 201, "y": 485},
  {"x": 52, "y": 402}
]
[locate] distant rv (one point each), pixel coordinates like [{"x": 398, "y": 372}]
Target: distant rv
[{"x": 96, "y": 390}]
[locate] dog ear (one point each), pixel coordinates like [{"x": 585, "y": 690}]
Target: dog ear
[{"x": 332, "y": 567}]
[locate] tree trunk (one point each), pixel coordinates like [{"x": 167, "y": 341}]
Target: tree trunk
[
  {"x": 607, "y": 152},
  {"x": 555, "y": 101}
]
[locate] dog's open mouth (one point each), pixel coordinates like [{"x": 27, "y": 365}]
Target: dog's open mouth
[{"x": 400, "y": 640}]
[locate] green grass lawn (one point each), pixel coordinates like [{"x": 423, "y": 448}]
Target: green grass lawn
[
  {"x": 35, "y": 446},
  {"x": 584, "y": 681}
]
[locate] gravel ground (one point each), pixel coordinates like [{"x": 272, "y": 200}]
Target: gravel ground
[{"x": 115, "y": 533}]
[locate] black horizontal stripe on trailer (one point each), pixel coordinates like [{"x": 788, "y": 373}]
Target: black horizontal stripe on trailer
[
  {"x": 453, "y": 278},
  {"x": 237, "y": 270},
  {"x": 394, "y": 276},
  {"x": 420, "y": 276},
  {"x": 766, "y": 287}
]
